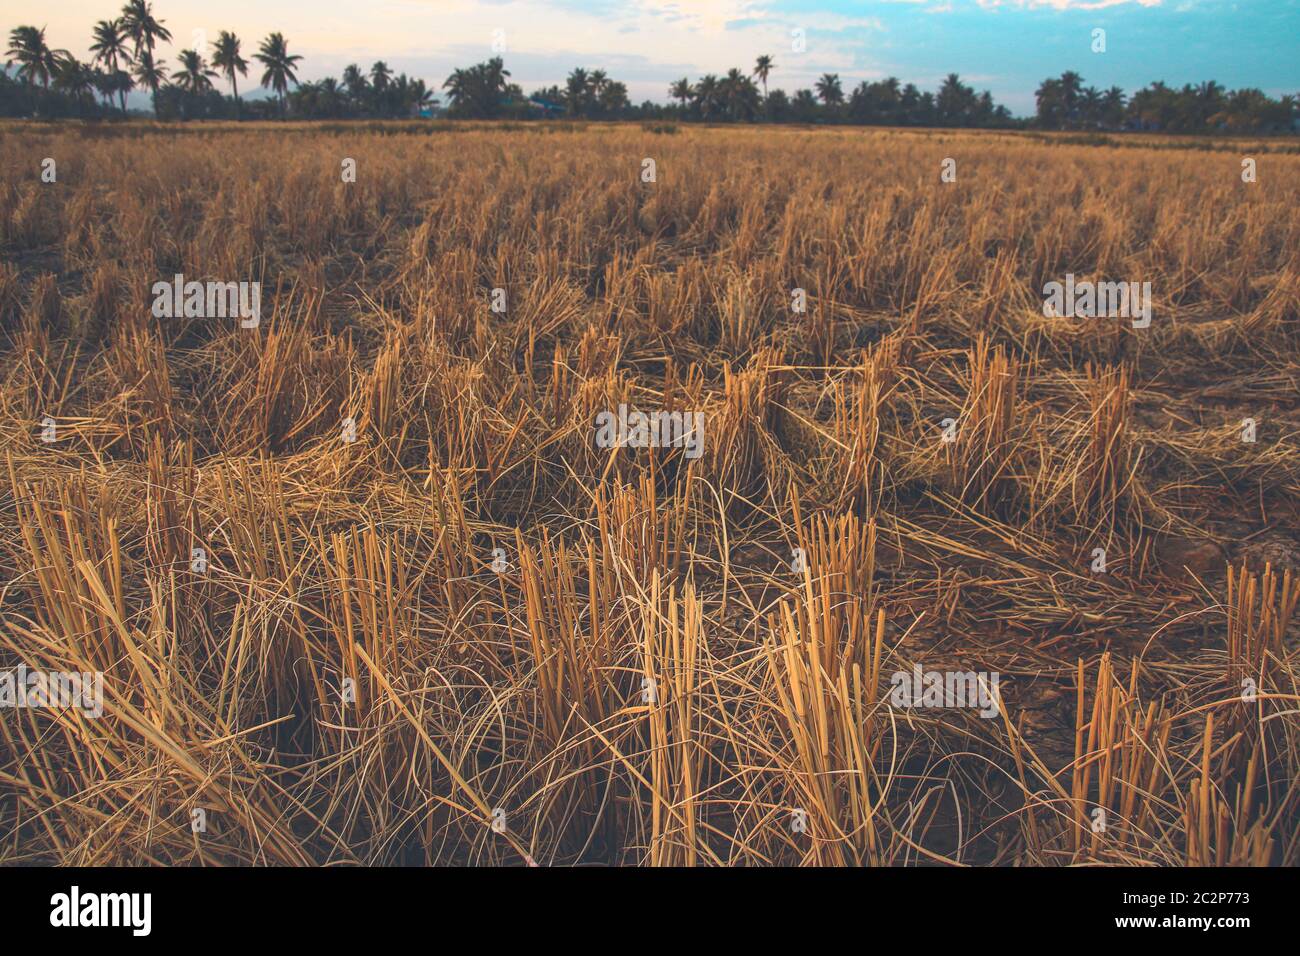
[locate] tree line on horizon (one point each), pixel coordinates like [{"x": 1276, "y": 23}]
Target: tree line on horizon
[{"x": 52, "y": 83}]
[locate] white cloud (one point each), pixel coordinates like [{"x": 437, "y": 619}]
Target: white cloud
[
  {"x": 1065, "y": 4},
  {"x": 710, "y": 15}
]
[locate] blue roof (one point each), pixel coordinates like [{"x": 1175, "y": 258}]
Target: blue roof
[{"x": 545, "y": 104}]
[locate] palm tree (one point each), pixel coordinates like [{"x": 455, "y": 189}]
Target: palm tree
[
  {"x": 576, "y": 88},
  {"x": 111, "y": 45},
  {"x": 829, "y": 89},
  {"x": 274, "y": 55},
  {"x": 36, "y": 61},
  {"x": 681, "y": 90},
  {"x": 762, "y": 67},
  {"x": 597, "y": 82},
  {"x": 613, "y": 97},
  {"x": 879, "y": 102},
  {"x": 1051, "y": 107},
  {"x": 909, "y": 104},
  {"x": 804, "y": 106},
  {"x": 1090, "y": 100},
  {"x": 740, "y": 94},
  {"x": 355, "y": 83},
  {"x": 1246, "y": 109},
  {"x": 481, "y": 89},
  {"x": 955, "y": 101},
  {"x": 1208, "y": 99},
  {"x": 457, "y": 87},
  {"x": 105, "y": 86},
  {"x": 1071, "y": 88},
  {"x": 226, "y": 58},
  {"x": 194, "y": 76},
  {"x": 494, "y": 76},
  {"x": 708, "y": 94},
  {"x": 148, "y": 74},
  {"x": 331, "y": 96},
  {"x": 926, "y": 107},
  {"x": 422, "y": 97},
  {"x": 122, "y": 85},
  {"x": 140, "y": 24},
  {"x": 777, "y": 107},
  {"x": 397, "y": 91},
  {"x": 381, "y": 87},
  {"x": 862, "y": 104},
  {"x": 1155, "y": 106},
  {"x": 75, "y": 78},
  {"x": 1112, "y": 107}
]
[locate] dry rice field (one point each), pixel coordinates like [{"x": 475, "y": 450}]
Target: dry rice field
[{"x": 435, "y": 622}]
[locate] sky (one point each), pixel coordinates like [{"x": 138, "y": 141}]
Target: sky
[{"x": 1005, "y": 46}]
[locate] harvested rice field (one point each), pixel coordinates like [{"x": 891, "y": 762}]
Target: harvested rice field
[{"x": 647, "y": 496}]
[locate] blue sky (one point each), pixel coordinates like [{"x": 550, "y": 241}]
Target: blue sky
[{"x": 1006, "y": 46}]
